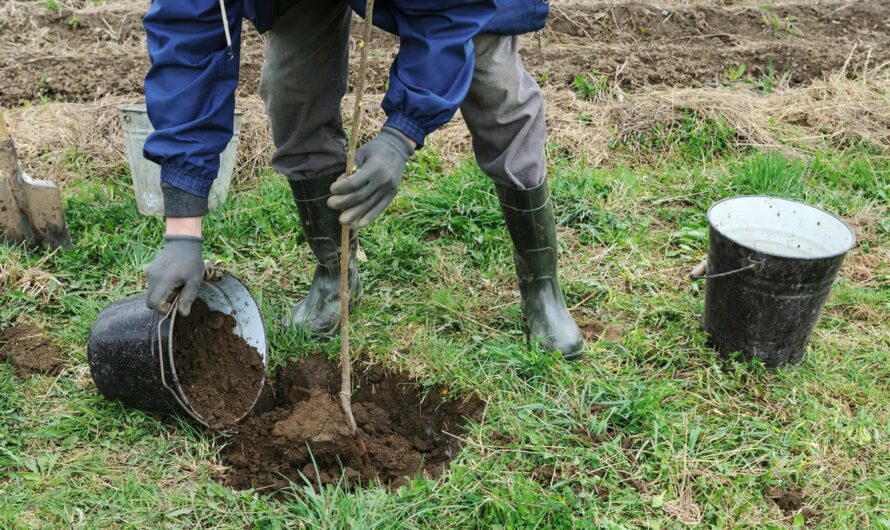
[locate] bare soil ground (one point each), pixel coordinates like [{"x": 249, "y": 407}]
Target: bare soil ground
[
  {"x": 84, "y": 53},
  {"x": 26, "y": 348},
  {"x": 789, "y": 75},
  {"x": 302, "y": 432},
  {"x": 639, "y": 44}
]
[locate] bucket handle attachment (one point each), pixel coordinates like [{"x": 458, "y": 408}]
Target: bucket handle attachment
[
  {"x": 211, "y": 273},
  {"x": 700, "y": 270}
]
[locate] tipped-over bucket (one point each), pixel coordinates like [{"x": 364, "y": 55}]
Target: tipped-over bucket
[
  {"x": 771, "y": 264},
  {"x": 147, "y": 175},
  {"x": 131, "y": 355}
]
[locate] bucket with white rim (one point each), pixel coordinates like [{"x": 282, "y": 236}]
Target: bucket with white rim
[
  {"x": 771, "y": 264},
  {"x": 130, "y": 349}
]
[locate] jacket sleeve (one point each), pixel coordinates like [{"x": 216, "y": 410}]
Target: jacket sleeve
[
  {"x": 190, "y": 89},
  {"x": 431, "y": 74}
]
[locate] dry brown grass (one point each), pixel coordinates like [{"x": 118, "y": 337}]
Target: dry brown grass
[
  {"x": 34, "y": 281},
  {"x": 59, "y": 141},
  {"x": 56, "y": 139},
  {"x": 872, "y": 268}
]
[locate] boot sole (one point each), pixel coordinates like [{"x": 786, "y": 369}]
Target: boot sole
[{"x": 571, "y": 357}]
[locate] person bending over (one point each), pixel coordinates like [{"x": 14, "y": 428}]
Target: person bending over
[{"x": 452, "y": 54}]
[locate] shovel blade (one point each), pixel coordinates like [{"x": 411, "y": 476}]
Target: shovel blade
[
  {"x": 45, "y": 211},
  {"x": 30, "y": 209},
  {"x": 14, "y": 224}
]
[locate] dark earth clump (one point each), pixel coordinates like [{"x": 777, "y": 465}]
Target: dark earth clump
[
  {"x": 219, "y": 372},
  {"x": 25, "y": 347},
  {"x": 788, "y": 501},
  {"x": 405, "y": 432}
]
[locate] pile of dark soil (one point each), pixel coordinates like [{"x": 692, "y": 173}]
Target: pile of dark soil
[
  {"x": 789, "y": 501},
  {"x": 406, "y": 432},
  {"x": 26, "y": 348},
  {"x": 219, "y": 372}
]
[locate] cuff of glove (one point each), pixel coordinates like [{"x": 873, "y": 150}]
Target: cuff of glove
[
  {"x": 184, "y": 245},
  {"x": 186, "y": 240},
  {"x": 179, "y": 203},
  {"x": 398, "y": 141}
]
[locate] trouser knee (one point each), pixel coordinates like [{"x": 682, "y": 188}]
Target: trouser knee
[
  {"x": 504, "y": 111},
  {"x": 302, "y": 82}
]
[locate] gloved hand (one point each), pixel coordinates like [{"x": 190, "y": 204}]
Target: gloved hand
[
  {"x": 180, "y": 263},
  {"x": 381, "y": 162}
]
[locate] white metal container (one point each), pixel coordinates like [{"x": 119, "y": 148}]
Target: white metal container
[{"x": 147, "y": 175}]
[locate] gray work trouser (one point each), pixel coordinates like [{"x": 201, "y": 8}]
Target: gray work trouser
[{"x": 304, "y": 78}]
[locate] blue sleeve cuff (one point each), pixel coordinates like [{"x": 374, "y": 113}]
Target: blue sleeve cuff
[
  {"x": 407, "y": 126},
  {"x": 186, "y": 180}
]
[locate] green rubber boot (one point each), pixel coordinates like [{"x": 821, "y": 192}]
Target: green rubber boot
[
  {"x": 529, "y": 218},
  {"x": 319, "y": 313}
]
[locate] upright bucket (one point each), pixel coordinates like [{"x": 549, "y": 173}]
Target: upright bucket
[
  {"x": 129, "y": 354},
  {"x": 771, "y": 264},
  {"x": 147, "y": 175}
]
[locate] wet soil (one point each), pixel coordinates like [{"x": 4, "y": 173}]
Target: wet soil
[
  {"x": 301, "y": 430},
  {"x": 637, "y": 43},
  {"x": 26, "y": 348},
  {"x": 99, "y": 50},
  {"x": 789, "y": 501},
  {"x": 219, "y": 372},
  {"x": 595, "y": 330}
]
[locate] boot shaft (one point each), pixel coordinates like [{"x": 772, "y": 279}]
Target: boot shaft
[
  {"x": 529, "y": 218},
  {"x": 320, "y": 223}
]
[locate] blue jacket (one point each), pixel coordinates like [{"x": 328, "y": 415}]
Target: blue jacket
[{"x": 190, "y": 87}]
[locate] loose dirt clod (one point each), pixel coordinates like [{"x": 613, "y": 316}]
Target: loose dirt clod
[
  {"x": 219, "y": 372},
  {"x": 788, "y": 501},
  {"x": 405, "y": 434},
  {"x": 26, "y": 348}
]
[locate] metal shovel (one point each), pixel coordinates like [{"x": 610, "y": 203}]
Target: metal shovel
[{"x": 30, "y": 209}]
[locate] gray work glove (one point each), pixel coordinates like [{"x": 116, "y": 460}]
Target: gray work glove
[
  {"x": 381, "y": 162},
  {"x": 179, "y": 264}
]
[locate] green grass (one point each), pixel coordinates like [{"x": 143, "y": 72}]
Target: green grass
[
  {"x": 690, "y": 137},
  {"x": 651, "y": 430},
  {"x": 591, "y": 86}
]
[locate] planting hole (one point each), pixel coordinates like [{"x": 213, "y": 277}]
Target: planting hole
[
  {"x": 299, "y": 429},
  {"x": 25, "y": 347}
]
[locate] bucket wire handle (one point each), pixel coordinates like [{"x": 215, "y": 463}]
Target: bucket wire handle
[
  {"x": 183, "y": 402},
  {"x": 699, "y": 272}
]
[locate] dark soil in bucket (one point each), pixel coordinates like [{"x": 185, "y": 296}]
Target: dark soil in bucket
[
  {"x": 25, "y": 347},
  {"x": 219, "y": 372},
  {"x": 407, "y": 431}
]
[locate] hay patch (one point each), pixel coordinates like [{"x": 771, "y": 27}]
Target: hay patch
[{"x": 58, "y": 141}]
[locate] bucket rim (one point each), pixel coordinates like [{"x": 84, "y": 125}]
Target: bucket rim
[
  {"x": 142, "y": 108},
  {"x": 853, "y": 239}
]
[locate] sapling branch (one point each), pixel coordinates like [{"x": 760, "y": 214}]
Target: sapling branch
[{"x": 345, "y": 233}]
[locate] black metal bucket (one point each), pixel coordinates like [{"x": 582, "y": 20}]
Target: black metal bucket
[
  {"x": 771, "y": 264},
  {"x": 130, "y": 349}
]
